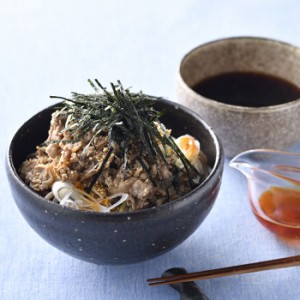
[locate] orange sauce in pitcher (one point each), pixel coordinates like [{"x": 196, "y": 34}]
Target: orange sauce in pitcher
[{"x": 282, "y": 207}]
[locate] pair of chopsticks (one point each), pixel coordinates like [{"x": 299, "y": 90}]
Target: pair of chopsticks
[{"x": 228, "y": 271}]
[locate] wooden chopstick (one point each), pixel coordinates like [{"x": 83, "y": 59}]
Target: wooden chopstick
[{"x": 229, "y": 271}]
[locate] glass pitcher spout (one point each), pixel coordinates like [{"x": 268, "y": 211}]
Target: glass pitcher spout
[
  {"x": 243, "y": 163},
  {"x": 285, "y": 165}
]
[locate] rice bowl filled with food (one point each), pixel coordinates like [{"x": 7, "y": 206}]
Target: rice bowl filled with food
[
  {"x": 114, "y": 177},
  {"x": 109, "y": 152}
]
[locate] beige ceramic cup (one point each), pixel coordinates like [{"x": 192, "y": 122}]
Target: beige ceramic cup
[{"x": 243, "y": 128}]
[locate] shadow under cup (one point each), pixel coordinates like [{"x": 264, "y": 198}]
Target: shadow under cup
[{"x": 240, "y": 127}]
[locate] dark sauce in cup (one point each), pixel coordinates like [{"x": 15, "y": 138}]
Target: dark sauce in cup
[{"x": 248, "y": 89}]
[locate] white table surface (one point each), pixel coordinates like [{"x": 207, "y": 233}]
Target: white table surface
[{"x": 52, "y": 47}]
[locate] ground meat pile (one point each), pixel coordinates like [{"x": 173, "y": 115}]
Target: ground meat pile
[{"x": 78, "y": 162}]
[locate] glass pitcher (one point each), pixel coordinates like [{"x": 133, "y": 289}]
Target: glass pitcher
[{"x": 274, "y": 189}]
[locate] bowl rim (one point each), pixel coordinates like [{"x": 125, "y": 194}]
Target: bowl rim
[
  {"x": 231, "y": 107},
  {"x": 218, "y": 164}
]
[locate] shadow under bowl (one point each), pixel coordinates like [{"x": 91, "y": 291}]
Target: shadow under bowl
[{"x": 117, "y": 238}]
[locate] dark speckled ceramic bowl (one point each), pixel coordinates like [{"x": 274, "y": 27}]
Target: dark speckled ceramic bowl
[{"x": 117, "y": 238}]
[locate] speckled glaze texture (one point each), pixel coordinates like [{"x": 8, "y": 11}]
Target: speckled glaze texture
[
  {"x": 243, "y": 128},
  {"x": 117, "y": 238}
]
